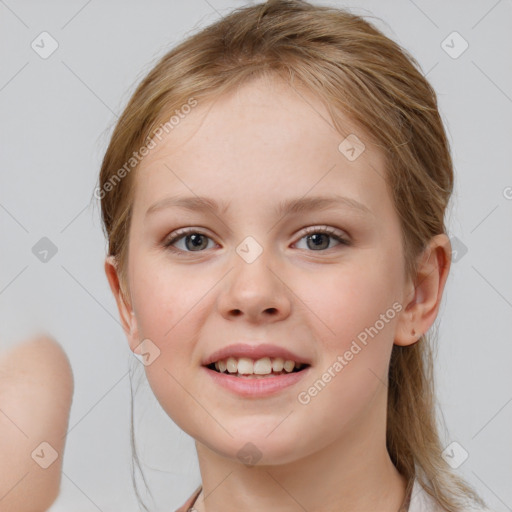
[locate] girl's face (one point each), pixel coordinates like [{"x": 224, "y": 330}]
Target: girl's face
[{"x": 254, "y": 274}]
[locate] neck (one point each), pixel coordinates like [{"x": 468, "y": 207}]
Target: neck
[{"x": 352, "y": 474}]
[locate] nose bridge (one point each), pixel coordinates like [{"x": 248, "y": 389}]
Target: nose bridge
[{"x": 254, "y": 287}]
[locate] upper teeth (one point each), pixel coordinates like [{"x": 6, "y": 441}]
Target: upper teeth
[{"x": 263, "y": 366}]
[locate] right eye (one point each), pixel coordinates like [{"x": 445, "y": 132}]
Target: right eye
[{"x": 193, "y": 240}]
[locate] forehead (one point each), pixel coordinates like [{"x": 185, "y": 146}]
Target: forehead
[{"x": 263, "y": 140}]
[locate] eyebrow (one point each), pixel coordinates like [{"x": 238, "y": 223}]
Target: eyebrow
[{"x": 286, "y": 207}]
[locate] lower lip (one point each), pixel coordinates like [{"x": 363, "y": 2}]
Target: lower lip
[{"x": 256, "y": 388}]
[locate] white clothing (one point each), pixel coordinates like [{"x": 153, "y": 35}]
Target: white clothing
[{"x": 421, "y": 501}]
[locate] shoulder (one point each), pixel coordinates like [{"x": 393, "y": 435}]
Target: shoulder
[{"x": 421, "y": 501}]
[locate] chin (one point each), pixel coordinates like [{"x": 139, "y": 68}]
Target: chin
[{"x": 256, "y": 448}]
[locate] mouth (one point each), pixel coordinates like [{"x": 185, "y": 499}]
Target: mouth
[
  {"x": 256, "y": 380},
  {"x": 265, "y": 370},
  {"x": 256, "y": 371}
]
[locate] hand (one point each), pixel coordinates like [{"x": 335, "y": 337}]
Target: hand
[{"x": 36, "y": 390}]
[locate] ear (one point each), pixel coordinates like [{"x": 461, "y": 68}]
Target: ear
[
  {"x": 425, "y": 294},
  {"x": 128, "y": 320}
]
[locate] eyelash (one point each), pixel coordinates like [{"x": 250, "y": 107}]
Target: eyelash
[{"x": 311, "y": 230}]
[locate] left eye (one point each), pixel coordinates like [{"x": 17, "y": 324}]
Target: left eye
[
  {"x": 195, "y": 241},
  {"x": 318, "y": 236}
]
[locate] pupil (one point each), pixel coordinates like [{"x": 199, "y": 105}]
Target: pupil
[
  {"x": 196, "y": 241},
  {"x": 315, "y": 238}
]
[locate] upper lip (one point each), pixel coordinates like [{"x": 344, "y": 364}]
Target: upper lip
[{"x": 254, "y": 352}]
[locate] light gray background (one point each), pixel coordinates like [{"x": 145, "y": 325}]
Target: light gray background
[{"x": 56, "y": 117}]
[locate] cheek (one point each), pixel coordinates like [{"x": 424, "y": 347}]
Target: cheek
[
  {"x": 345, "y": 300},
  {"x": 166, "y": 303},
  {"x": 164, "y": 299},
  {"x": 358, "y": 313},
  {"x": 358, "y": 310},
  {"x": 169, "y": 304}
]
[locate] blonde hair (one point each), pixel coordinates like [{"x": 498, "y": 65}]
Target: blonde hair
[{"x": 353, "y": 68}]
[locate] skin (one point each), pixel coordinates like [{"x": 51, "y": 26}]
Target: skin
[
  {"x": 254, "y": 148},
  {"x": 36, "y": 389}
]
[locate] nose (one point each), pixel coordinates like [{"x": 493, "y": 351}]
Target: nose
[{"x": 255, "y": 292}]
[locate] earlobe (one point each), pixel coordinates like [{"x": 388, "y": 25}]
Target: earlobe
[{"x": 128, "y": 320}]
